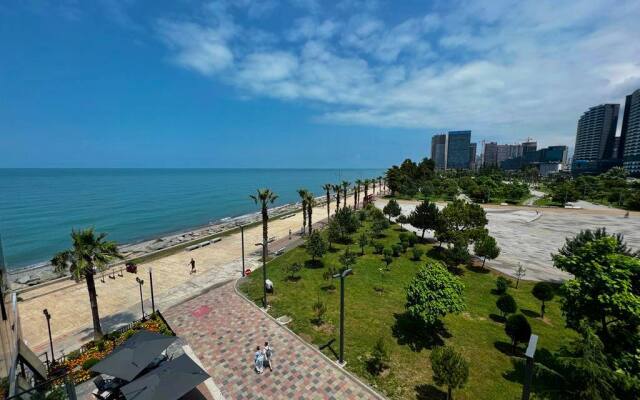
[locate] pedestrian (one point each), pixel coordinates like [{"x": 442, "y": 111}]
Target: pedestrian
[
  {"x": 258, "y": 360},
  {"x": 289, "y": 233},
  {"x": 193, "y": 266},
  {"x": 268, "y": 353}
]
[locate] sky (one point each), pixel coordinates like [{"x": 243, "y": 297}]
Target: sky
[{"x": 299, "y": 83}]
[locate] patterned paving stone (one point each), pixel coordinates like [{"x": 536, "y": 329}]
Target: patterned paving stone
[{"x": 223, "y": 330}]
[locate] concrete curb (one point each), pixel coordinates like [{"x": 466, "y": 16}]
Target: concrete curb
[{"x": 333, "y": 364}]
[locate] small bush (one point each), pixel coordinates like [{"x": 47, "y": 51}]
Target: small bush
[
  {"x": 380, "y": 359},
  {"x": 387, "y": 255},
  {"x": 502, "y": 284},
  {"x": 397, "y": 249},
  {"x": 416, "y": 254},
  {"x": 73, "y": 355},
  {"x": 413, "y": 239},
  {"x": 379, "y": 247},
  {"x": 90, "y": 362},
  {"x": 127, "y": 334},
  {"x": 319, "y": 309},
  {"x": 404, "y": 237},
  {"x": 506, "y": 304},
  {"x": 101, "y": 345}
]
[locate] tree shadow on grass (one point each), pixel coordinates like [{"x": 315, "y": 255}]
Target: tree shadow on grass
[
  {"x": 477, "y": 269},
  {"x": 530, "y": 313},
  {"x": 333, "y": 249},
  {"x": 456, "y": 270},
  {"x": 497, "y": 318},
  {"x": 293, "y": 278},
  {"x": 328, "y": 288},
  {"x": 546, "y": 382},
  {"x": 507, "y": 349},
  {"x": 429, "y": 392},
  {"x": 416, "y": 334},
  {"x": 436, "y": 253},
  {"x": 313, "y": 264}
]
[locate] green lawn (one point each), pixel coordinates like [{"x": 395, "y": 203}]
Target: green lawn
[{"x": 371, "y": 314}]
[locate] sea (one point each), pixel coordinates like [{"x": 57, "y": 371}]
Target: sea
[{"x": 40, "y": 207}]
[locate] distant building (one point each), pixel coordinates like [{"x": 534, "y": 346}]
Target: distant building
[
  {"x": 473, "y": 149},
  {"x": 508, "y": 151},
  {"x": 439, "y": 150},
  {"x": 548, "y": 155},
  {"x": 629, "y": 148},
  {"x": 529, "y": 146},
  {"x": 451, "y": 150},
  {"x": 546, "y": 169},
  {"x": 490, "y": 155},
  {"x": 595, "y": 140}
]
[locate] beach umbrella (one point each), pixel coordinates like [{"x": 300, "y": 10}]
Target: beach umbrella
[
  {"x": 169, "y": 381},
  {"x": 133, "y": 356}
]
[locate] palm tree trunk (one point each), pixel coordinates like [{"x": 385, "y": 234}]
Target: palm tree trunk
[
  {"x": 337, "y": 200},
  {"x": 345, "y": 196},
  {"x": 355, "y": 199},
  {"x": 93, "y": 300},
  {"x": 310, "y": 211},
  {"x": 328, "y": 205},
  {"x": 483, "y": 261},
  {"x": 265, "y": 230},
  {"x": 304, "y": 216}
]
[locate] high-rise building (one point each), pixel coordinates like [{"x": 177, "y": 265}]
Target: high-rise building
[
  {"x": 595, "y": 139},
  {"x": 451, "y": 150},
  {"x": 508, "y": 151},
  {"x": 473, "y": 149},
  {"x": 547, "y": 155},
  {"x": 458, "y": 144},
  {"x": 490, "y": 155},
  {"x": 529, "y": 146},
  {"x": 439, "y": 150},
  {"x": 629, "y": 148}
]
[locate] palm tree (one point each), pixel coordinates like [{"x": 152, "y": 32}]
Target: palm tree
[
  {"x": 327, "y": 188},
  {"x": 336, "y": 188},
  {"x": 373, "y": 191},
  {"x": 366, "y": 189},
  {"x": 303, "y": 193},
  {"x": 264, "y": 197},
  {"x": 358, "y": 184},
  {"x": 380, "y": 183},
  {"x": 345, "y": 187},
  {"x": 311, "y": 202},
  {"x": 90, "y": 253}
]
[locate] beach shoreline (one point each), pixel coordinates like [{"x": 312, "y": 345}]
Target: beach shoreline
[{"x": 42, "y": 273}]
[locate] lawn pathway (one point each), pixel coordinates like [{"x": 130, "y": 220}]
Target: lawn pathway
[{"x": 224, "y": 329}]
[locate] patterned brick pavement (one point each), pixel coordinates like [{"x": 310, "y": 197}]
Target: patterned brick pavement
[{"x": 223, "y": 330}]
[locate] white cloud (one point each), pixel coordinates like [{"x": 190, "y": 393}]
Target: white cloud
[{"x": 505, "y": 69}]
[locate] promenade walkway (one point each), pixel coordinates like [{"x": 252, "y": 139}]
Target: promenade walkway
[{"x": 223, "y": 329}]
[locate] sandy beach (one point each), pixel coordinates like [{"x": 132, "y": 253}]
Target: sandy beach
[{"x": 68, "y": 302}]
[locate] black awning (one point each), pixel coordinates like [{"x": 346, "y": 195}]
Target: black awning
[
  {"x": 130, "y": 358},
  {"x": 169, "y": 381}
]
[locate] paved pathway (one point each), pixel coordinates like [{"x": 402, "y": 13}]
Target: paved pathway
[{"x": 224, "y": 329}]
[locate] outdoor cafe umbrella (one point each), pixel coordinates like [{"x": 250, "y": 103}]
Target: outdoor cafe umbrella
[
  {"x": 133, "y": 356},
  {"x": 169, "y": 381}
]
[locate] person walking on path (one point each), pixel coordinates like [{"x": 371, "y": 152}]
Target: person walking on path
[
  {"x": 268, "y": 353},
  {"x": 259, "y": 360},
  {"x": 193, "y": 266}
]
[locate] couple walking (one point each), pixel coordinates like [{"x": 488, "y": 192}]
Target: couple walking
[{"x": 262, "y": 358}]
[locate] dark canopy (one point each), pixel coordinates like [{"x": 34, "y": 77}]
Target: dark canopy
[
  {"x": 131, "y": 357},
  {"x": 169, "y": 381}
]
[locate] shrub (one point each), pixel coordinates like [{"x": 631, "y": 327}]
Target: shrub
[
  {"x": 502, "y": 284},
  {"x": 506, "y": 304},
  {"x": 73, "y": 355},
  {"x": 404, "y": 237},
  {"x": 416, "y": 254},
  {"x": 543, "y": 291},
  {"x": 316, "y": 245},
  {"x": 413, "y": 239},
  {"x": 293, "y": 269},
  {"x": 450, "y": 368},
  {"x": 379, "y": 247},
  {"x": 396, "y": 249},
  {"x": 101, "y": 345},
  {"x": 127, "y": 334},
  {"x": 518, "y": 329},
  {"x": 380, "y": 359},
  {"x": 319, "y": 309},
  {"x": 387, "y": 255},
  {"x": 89, "y": 362}
]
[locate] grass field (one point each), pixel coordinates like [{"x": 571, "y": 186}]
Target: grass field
[{"x": 370, "y": 314}]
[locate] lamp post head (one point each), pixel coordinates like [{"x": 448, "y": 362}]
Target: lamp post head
[
  {"x": 140, "y": 281},
  {"x": 46, "y": 313},
  {"x": 531, "y": 348},
  {"x": 344, "y": 273}
]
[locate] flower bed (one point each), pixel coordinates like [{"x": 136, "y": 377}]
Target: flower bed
[{"x": 80, "y": 361}]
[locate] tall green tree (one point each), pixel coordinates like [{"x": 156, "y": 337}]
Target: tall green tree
[
  {"x": 311, "y": 202},
  {"x": 392, "y": 209},
  {"x": 304, "y": 196},
  {"x": 433, "y": 293},
  {"x": 425, "y": 216},
  {"x": 460, "y": 220},
  {"x": 90, "y": 253},
  {"x": 487, "y": 248},
  {"x": 345, "y": 188},
  {"x": 518, "y": 329},
  {"x": 449, "y": 368},
  {"x": 543, "y": 291},
  {"x": 356, "y": 192},
  {"x": 366, "y": 184},
  {"x": 263, "y": 198},
  {"x": 327, "y": 187},
  {"x": 316, "y": 245},
  {"x": 337, "y": 190}
]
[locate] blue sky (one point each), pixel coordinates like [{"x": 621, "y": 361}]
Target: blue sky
[{"x": 299, "y": 83}]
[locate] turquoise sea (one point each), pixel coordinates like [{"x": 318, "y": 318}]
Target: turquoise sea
[{"x": 39, "y": 207}]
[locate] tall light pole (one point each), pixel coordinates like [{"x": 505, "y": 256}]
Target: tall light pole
[
  {"x": 342, "y": 275},
  {"x": 140, "y": 283},
  {"x": 242, "y": 241},
  {"x": 528, "y": 372},
  {"x": 48, "y": 317},
  {"x": 264, "y": 272},
  {"x": 153, "y": 302}
]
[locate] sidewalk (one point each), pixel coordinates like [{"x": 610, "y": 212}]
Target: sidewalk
[{"x": 223, "y": 329}]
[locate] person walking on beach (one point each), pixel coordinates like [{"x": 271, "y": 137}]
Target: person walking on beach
[
  {"x": 193, "y": 266},
  {"x": 268, "y": 353}
]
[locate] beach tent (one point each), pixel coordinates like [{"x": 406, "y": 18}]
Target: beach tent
[
  {"x": 130, "y": 358},
  {"x": 169, "y": 381}
]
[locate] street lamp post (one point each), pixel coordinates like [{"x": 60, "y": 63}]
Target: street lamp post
[
  {"x": 342, "y": 275},
  {"x": 528, "y": 372},
  {"x": 48, "y": 317},
  {"x": 140, "y": 283},
  {"x": 242, "y": 240},
  {"x": 264, "y": 272},
  {"x": 153, "y": 302}
]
